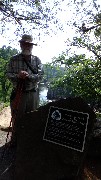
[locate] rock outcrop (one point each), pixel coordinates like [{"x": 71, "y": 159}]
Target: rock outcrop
[{"x": 39, "y": 159}]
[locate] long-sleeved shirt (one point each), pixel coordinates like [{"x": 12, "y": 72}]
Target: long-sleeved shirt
[{"x": 18, "y": 64}]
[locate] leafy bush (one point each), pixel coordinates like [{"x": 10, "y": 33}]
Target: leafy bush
[{"x": 5, "y": 86}]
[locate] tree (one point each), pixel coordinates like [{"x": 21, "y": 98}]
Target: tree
[
  {"x": 5, "y": 85},
  {"x": 92, "y": 39},
  {"x": 52, "y": 71},
  {"x": 27, "y": 16},
  {"x": 44, "y": 15},
  {"x": 83, "y": 73},
  {"x": 8, "y": 10},
  {"x": 81, "y": 77}
]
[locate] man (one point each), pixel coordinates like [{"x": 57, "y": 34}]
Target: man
[{"x": 25, "y": 71}]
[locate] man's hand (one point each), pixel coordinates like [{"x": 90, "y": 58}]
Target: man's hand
[{"x": 23, "y": 74}]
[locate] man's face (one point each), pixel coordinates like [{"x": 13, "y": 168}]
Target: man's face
[{"x": 26, "y": 48}]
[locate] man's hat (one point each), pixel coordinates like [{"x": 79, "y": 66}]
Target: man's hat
[{"x": 27, "y": 39}]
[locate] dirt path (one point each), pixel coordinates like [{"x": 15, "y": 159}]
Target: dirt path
[
  {"x": 5, "y": 117},
  {"x": 6, "y": 156}
]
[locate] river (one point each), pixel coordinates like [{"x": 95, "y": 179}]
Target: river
[{"x": 43, "y": 93}]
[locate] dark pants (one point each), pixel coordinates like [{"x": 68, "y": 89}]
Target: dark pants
[{"x": 29, "y": 101}]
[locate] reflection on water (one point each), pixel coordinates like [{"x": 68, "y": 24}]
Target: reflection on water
[{"x": 43, "y": 93}]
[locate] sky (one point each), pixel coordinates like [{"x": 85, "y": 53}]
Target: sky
[{"x": 52, "y": 40}]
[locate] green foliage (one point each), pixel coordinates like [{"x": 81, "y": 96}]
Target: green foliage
[
  {"x": 7, "y": 52},
  {"x": 52, "y": 71},
  {"x": 5, "y": 85},
  {"x": 97, "y": 18},
  {"x": 84, "y": 74},
  {"x": 98, "y": 115},
  {"x": 82, "y": 77}
]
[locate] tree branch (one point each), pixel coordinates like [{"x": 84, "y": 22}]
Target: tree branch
[
  {"x": 93, "y": 51},
  {"x": 85, "y": 29}
]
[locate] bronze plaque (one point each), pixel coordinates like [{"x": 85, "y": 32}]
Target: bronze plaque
[{"x": 66, "y": 127}]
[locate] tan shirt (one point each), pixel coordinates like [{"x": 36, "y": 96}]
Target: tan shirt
[{"x": 17, "y": 64}]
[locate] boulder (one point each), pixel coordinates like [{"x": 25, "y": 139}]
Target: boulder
[{"x": 44, "y": 155}]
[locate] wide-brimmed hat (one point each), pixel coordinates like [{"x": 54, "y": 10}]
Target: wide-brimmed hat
[{"x": 27, "y": 39}]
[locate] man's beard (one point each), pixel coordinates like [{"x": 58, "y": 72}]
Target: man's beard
[{"x": 26, "y": 51}]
